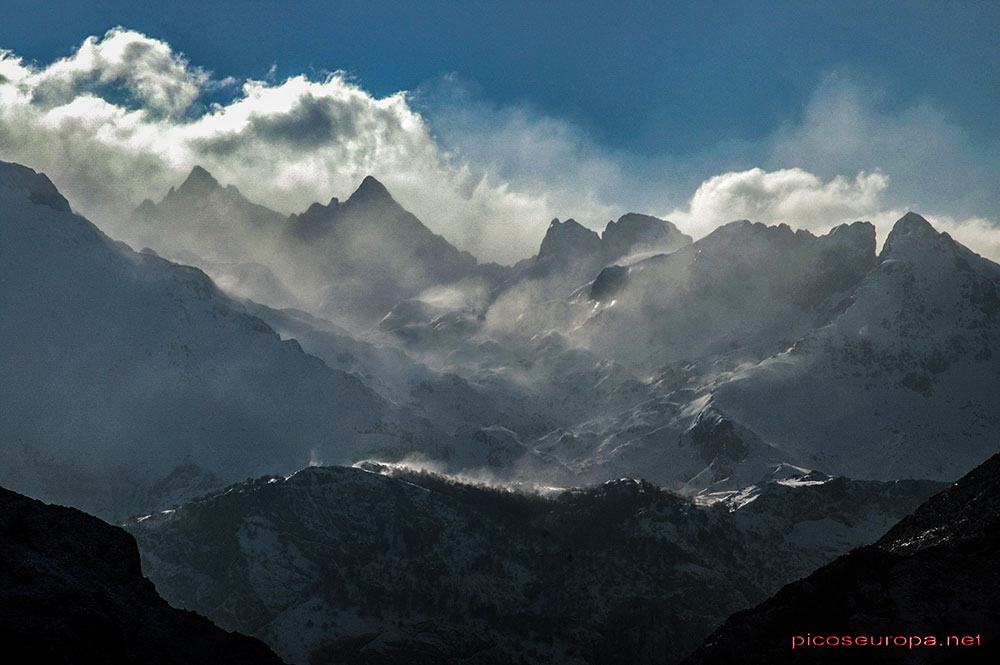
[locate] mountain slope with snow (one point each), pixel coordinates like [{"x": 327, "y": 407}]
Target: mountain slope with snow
[
  {"x": 120, "y": 367},
  {"x": 908, "y": 364},
  {"x": 743, "y": 290}
]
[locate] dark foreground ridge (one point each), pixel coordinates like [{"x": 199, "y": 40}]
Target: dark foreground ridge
[
  {"x": 933, "y": 574},
  {"x": 379, "y": 566},
  {"x": 71, "y": 591}
]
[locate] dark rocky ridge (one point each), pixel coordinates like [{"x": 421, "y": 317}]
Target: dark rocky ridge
[
  {"x": 340, "y": 565},
  {"x": 933, "y": 574},
  {"x": 71, "y": 591}
]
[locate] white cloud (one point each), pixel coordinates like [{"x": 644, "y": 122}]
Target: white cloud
[
  {"x": 792, "y": 196},
  {"x": 977, "y": 233},
  {"x": 122, "y": 61}
]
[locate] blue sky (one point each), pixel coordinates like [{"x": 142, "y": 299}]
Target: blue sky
[
  {"x": 639, "y": 102},
  {"x": 649, "y": 76}
]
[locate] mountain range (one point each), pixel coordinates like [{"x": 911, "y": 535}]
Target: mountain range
[
  {"x": 702, "y": 368},
  {"x": 381, "y": 564},
  {"x": 122, "y": 367},
  {"x": 594, "y": 455}
]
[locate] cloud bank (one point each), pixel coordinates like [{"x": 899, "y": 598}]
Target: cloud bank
[{"x": 124, "y": 117}]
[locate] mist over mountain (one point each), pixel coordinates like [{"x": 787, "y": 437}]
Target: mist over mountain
[
  {"x": 752, "y": 347},
  {"x": 910, "y": 358},
  {"x": 538, "y": 334},
  {"x": 372, "y": 254},
  {"x": 120, "y": 367},
  {"x": 351, "y": 261},
  {"x": 700, "y": 366}
]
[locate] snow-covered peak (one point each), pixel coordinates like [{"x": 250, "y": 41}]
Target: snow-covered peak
[
  {"x": 912, "y": 237},
  {"x": 17, "y": 180},
  {"x": 912, "y": 224}
]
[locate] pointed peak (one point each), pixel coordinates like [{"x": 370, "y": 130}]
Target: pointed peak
[
  {"x": 909, "y": 227},
  {"x": 370, "y": 189},
  {"x": 199, "y": 180},
  {"x": 146, "y": 209},
  {"x": 637, "y": 232},
  {"x": 913, "y": 224},
  {"x": 912, "y": 233},
  {"x": 199, "y": 173}
]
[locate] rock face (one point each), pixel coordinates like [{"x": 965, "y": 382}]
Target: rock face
[
  {"x": 568, "y": 241},
  {"x": 932, "y": 575},
  {"x": 383, "y": 565},
  {"x": 203, "y": 218},
  {"x": 572, "y": 255},
  {"x": 71, "y": 591}
]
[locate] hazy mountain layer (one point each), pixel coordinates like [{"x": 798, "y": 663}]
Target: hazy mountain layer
[
  {"x": 119, "y": 367},
  {"x": 350, "y": 261},
  {"x": 782, "y": 347},
  {"x": 759, "y": 347}
]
